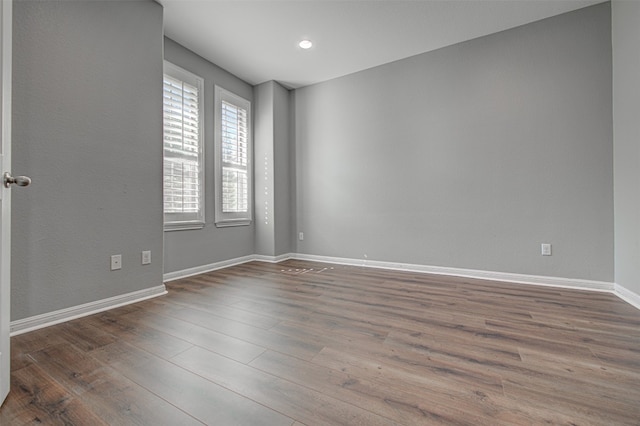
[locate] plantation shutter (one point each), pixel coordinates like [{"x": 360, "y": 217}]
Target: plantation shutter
[
  {"x": 235, "y": 146},
  {"x": 233, "y": 169},
  {"x": 183, "y": 187}
]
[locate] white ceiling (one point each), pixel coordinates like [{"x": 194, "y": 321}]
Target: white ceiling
[{"x": 257, "y": 40}]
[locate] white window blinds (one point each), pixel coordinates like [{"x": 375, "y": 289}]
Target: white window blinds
[
  {"x": 233, "y": 148},
  {"x": 183, "y": 154}
]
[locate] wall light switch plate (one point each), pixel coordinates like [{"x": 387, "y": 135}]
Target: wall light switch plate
[
  {"x": 116, "y": 262},
  {"x": 146, "y": 257}
]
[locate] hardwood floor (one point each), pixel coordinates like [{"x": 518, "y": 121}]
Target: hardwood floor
[{"x": 302, "y": 343}]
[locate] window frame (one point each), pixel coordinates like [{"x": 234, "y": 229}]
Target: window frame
[
  {"x": 185, "y": 221},
  {"x": 225, "y": 219}
]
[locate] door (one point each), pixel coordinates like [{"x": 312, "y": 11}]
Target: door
[{"x": 5, "y": 195}]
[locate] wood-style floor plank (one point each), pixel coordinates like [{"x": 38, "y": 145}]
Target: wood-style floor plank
[
  {"x": 298, "y": 402},
  {"x": 302, "y": 344},
  {"x": 35, "y": 398},
  {"x": 396, "y": 402},
  {"x": 208, "y": 402},
  {"x": 220, "y": 343},
  {"x": 114, "y": 398},
  {"x": 303, "y": 347}
]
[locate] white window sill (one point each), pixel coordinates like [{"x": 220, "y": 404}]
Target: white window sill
[
  {"x": 183, "y": 226},
  {"x": 229, "y": 223}
]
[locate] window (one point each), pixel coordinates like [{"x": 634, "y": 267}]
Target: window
[
  {"x": 183, "y": 149},
  {"x": 233, "y": 159}
]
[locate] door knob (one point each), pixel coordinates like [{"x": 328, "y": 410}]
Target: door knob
[{"x": 18, "y": 180}]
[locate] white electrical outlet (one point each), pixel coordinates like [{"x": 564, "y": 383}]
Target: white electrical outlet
[
  {"x": 545, "y": 249},
  {"x": 116, "y": 262},
  {"x": 146, "y": 257},
  {"x": 301, "y": 236}
]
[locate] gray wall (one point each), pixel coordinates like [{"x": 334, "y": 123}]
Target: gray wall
[
  {"x": 469, "y": 156},
  {"x": 194, "y": 248},
  {"x": 282, "y": 171},
  {"x": 272, "y": 147},
  {"x": 626, "y": 131},
  {"x": 264, "y": 186},
  {"x": 87, "y": 118}
]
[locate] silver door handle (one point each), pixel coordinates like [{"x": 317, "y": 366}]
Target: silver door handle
[{"x": 18, "y": 180}]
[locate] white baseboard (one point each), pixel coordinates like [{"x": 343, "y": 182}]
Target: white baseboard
[
  {"x": 51, "y": 318},
  {"x": 557, "y": 282},
  {"x": 627, "y": 295},
  {"x": 184, "y": 273},
  {"x": 44, "y": 320},
  {"x": 569, "y": 283},
  {"x": 273, "y": 259}
]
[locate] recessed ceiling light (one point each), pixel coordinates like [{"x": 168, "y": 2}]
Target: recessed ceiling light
[{"x": 305, "y": 44}]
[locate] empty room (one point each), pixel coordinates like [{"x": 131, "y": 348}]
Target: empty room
[{"x": 320, "y": 212}]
